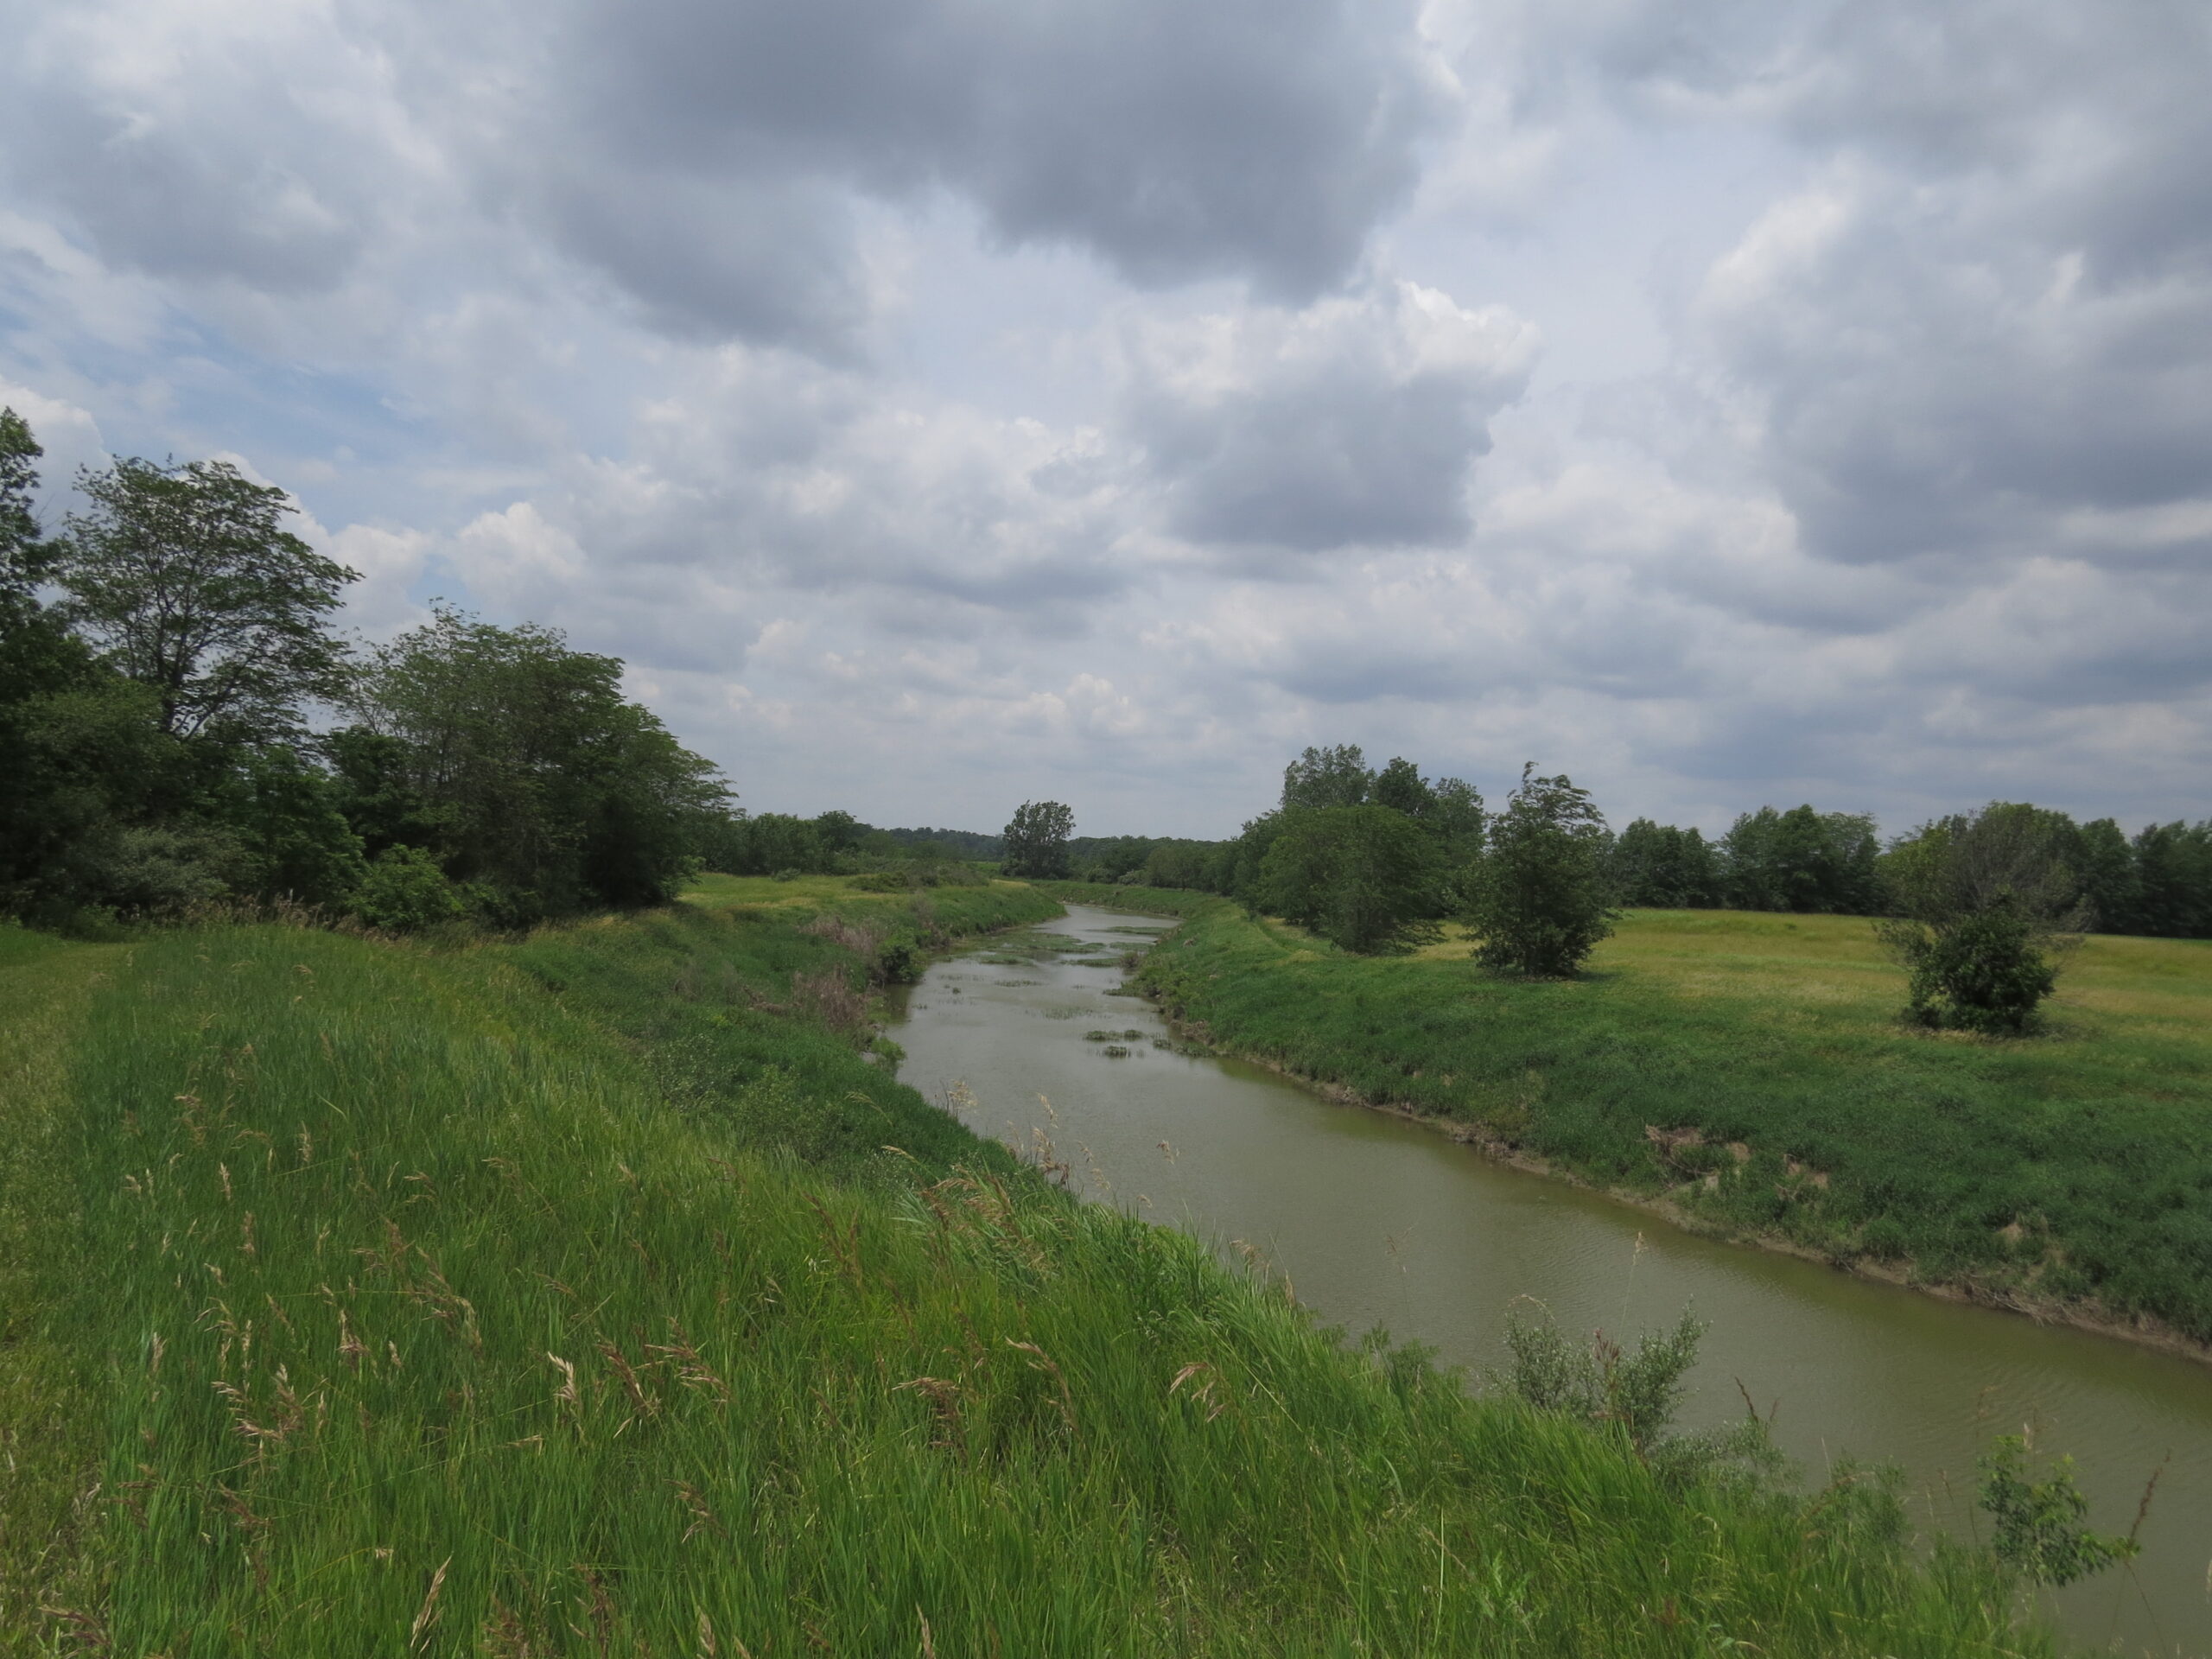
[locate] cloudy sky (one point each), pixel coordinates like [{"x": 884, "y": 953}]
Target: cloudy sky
[{"x": 942, "y": 403}]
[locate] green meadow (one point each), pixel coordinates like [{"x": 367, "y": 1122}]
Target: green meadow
[
  {"x": 601, "y": 1291},
  {"x": 1751, "y": 1069}
]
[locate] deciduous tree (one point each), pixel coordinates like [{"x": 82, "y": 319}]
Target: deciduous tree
[
  {"x": 1661, "y": 865},
  {"x": 1803, "y": 861},
  {"x": 1037, "y": 840},
  {"x": 186, "y": 581},
  {"x": 538, "y": 780},
  {"x": 1982, "y": 900},
  {"x": 1363, "y": 877},
  {"x": 1327, "y": 776},
  {"x": 1539, "y": 898}
]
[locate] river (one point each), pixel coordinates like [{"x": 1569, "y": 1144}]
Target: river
[{"x": 1379, "y": 1221}]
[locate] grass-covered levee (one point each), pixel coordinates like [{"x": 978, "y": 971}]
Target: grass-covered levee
[
  {"x": 1754, "y": 1070},
  {"x": 602, "y": 1294}
]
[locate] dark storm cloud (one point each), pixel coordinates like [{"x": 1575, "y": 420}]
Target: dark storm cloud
[
  {"x": 1352, "y": 423},
  {"x": 175, "y": 171},
  {"x": 707, "y": 156},
  {"x": 759, "y": 259},
  {"x": 1258, "y": 138}
]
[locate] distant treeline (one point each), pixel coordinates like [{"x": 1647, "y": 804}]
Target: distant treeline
[
  {"x": 2157, "y": 882},
  {"x": 835, "y": 843}
]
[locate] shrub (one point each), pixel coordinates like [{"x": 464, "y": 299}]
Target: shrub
[
  {"x": 1635, "y": 1396},
  {"x": 898, "y": 964},
  {"x": 828, "y": 998},
  {"x": 2040, "y": 1530},
  {"x": 148, "y": 870},
  {"x": 405, "y": 892},
  {"x": 1981, "y": 970}
]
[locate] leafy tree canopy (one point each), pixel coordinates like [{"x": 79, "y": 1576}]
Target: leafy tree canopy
[
  {"x": 1363, "y": 877},
  {"x": 186, "y": 581},
  {"x": 1659, "y": 866},
  {"x": 1803, "y": 861},
  {"x": 538, "y": 778},
  {"x": 1328, "y": 777},
  {"x": 1036, "y": 840},
  {"x": 1539, "y": 898},
  {"x": 21, "y": 557}
]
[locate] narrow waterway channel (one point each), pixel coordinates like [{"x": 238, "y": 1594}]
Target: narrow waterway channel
[{"x": 1378, "y": 1221}]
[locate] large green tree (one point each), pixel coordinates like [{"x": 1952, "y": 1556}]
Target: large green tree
[
  {"x": 83, "y": 763},
  {"x": 529, "y": 771},
  {"x": 1538, "y": 897},
  {"x": 2173, "y": 873},
  {"x": 23, "y": 553},
  {"x": 1804, "y": 860},
  {"x": 1363, "y": 877},
  {"x": 1665, "y": 867},
  {"x": 1036, "y": 840},
  {"x": 1980, "y": 898},
  {"x": 1952, "y": 866},
  {"x": 1338, "y": 776},
  {"x": 186, "y": 581},
  {"x": 1401, "y": 787}
]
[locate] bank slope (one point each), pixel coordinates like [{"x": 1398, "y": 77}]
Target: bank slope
[
  {"x": 1749, "y": 1069},
  {"x": 428, "y": 1311}
]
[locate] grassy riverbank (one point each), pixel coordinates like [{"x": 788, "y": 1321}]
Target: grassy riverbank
[
  {"x": 1749, "y": 1069},
  {"x": 559, "y": 1297}
]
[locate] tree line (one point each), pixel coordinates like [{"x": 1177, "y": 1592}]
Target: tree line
[
  {"x": 2156, "y": 883},
  {"x": 1976, "y": 904},
  {"x": 181, "y": 722}
]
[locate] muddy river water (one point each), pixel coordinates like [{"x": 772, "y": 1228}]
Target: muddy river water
[{"x": 1378, "y": 1221}]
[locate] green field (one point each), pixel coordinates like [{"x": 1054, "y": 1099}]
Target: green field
[
  {"x": 1751, "y": 1069},
  {"x": 595, "y": 1293}
]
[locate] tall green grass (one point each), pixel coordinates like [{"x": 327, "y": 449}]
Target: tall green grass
[
  {"x": 49, "y": 1445},
  {"x": 703, "y": 993},
  {"x": 1752, "y": 1069},
  {"x": 425, "y": 1321}
]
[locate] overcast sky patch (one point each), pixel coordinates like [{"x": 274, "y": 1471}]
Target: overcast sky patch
[{"x": 942, "y": 402}]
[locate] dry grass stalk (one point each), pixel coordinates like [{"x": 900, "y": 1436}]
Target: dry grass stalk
[
  {"x": 601, "y": 1611},
  {"x": 862, "y": 939},
  {"x": 1040, "y": 1361},
  {"x": 943, "y": 1397},
  {"x": 568, "y": 1394},
  {"x": 506, "y": 1637},
  {"x": 427, "y": 1619},
  {"x": 86, "y": 1629},
  {"x": 690, "y": 1370},
  {"x": 646, "y": 1402},
  {"x": 704, "y": 1518},
  {"x": 1204, "y": 1380},
  {"x": 828, "y": 998},
  {"x": 351, "y": 1348},
  {"x": 844, "y": 1243}
]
